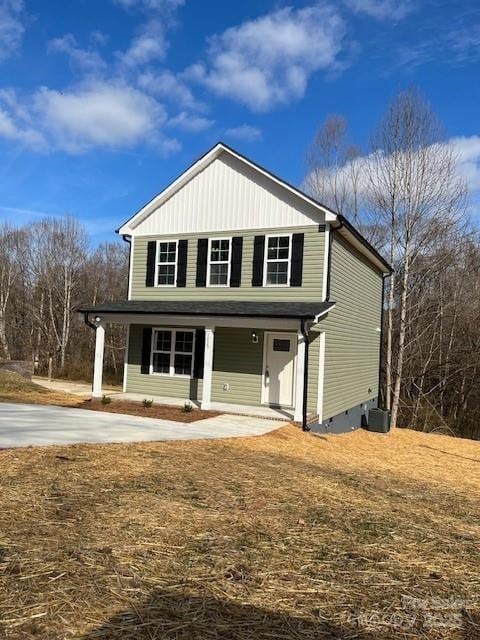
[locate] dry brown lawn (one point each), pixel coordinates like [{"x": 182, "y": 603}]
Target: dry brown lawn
[
  {"x": 14, "y": 388},
  {"x": 284, "y": 536}
]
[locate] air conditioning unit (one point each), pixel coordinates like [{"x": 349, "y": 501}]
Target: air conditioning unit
[{"x": 378, "y": 420}]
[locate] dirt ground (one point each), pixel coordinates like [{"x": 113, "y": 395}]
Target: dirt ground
[
  {"x": 284, "y": 536},
  {"x": 161, "y": 411}
]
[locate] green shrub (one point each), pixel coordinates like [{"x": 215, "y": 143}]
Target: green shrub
[
  {"x": 147, "y": 403},
  {"x": 187, "y": 407},
  {"x": 106, "y": 399}
]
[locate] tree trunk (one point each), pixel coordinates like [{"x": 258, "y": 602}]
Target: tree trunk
[
  {"x": 3, "y": 336},
  {"x": 401, "y": 337}
]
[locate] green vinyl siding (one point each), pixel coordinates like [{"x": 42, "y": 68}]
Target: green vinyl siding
[
  {"x": 311, "y": 288},
  {"x": 352, "y": 341},
  {"x": 155, "y": 385},
  {"x": 237, "y": 362}
]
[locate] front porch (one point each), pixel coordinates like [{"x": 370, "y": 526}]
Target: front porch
[
  {"x": 223, "y": 407},
  {"x": 242, "y": 358},
  {"x": 84, "y": 390}
]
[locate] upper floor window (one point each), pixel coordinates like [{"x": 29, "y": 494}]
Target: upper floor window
[
  {"x": 277, "y": 261},
  {"x": 218, "y": 267},
  {"x": 166, "y": 264}
]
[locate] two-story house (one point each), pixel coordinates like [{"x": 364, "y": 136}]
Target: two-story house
[{"x": 245, "y": 291}]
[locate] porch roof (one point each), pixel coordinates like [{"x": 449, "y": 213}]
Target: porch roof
[{"x": 300, "y": 310}]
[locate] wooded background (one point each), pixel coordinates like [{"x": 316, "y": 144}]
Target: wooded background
[
  {"x": 46, "y": 271},
  {"x": 404, "y": 193}
]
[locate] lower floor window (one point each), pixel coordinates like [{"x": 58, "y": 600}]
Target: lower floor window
[{"x": 172, "y": 352}]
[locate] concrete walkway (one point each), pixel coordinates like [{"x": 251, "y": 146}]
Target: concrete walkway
[
  {"x": 23, "y": 425},
  {"x": 84, "y": 390}
]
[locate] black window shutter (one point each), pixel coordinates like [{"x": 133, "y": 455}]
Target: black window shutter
[
  {"x": 296, "y": 269},
  {"x": 236, "y": 266},
  {"x": 202, "y": 251},
  {"x": 146, "y": 349},
  {"x": 151, "y": 255},
  {"x": 199, "y": 353},
  {"x": 182, "y": 263},
  {"x": 258, "y": 256}
]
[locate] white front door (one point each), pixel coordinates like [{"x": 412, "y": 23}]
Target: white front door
[{"x": 279, "y": 368}]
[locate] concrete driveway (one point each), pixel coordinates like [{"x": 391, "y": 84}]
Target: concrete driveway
[{"x": 23, "y": 425}]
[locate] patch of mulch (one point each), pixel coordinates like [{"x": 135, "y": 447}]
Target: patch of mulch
[{"x": 159, "y": 411}]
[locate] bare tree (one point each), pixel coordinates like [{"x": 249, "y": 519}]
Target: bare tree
[
  {"x": 407, "y": 198},
  {"x": 334, "y": 171},
  {"x": 57, "y": 257},
  {"x": 414, "y": 187},
  {"x": 12, "y": 252}
]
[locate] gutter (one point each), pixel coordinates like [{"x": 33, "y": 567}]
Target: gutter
[
  {"x": 356, "y": 233},
  {"x": 128, "y": 239},
  {"x": 88, "y": 322}
]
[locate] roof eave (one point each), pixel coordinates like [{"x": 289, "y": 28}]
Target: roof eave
[{"x": 129, "y": 226}]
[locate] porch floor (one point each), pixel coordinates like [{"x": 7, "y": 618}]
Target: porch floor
[
  {"x": 224, "y": 407},
  {"x": 84, "y": 389}
]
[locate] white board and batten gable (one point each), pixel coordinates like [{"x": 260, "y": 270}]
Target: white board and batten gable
[{"x": 224, "y": 191}]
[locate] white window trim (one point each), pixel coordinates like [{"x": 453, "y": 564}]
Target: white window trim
[
  {"x": 288, "y": 260},
  {"x": 157, "y": 264},
  {"x": 210, "y": 240},
  {"x": 172, "y": 352}
]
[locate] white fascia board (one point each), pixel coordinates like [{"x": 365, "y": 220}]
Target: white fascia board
[
  {"x": 187, "y": 175},
  {"x": 361, "y": 248},
  {"x": 204, "y": 161},
  {"x": 199, "y": 321},
  {"x": 323, "y": 313}
]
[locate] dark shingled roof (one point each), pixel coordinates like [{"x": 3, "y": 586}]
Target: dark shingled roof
[{"x": 305, "y": 310}]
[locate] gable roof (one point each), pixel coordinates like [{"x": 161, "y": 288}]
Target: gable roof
[{"x": 347, "y": 229}]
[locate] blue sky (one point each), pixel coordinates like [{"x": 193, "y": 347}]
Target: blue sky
[{"x": 104, "y": 102}]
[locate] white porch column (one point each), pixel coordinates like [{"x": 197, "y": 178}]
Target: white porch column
[
  {"x": 208, "y": 367},
  {"x": 98, "y": 362},
  {"x": 299, "y": 374}
]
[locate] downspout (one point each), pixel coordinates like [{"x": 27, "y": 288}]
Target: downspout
[
  {"x": 305, "y": 426},
  {"x": 88, "y": 322},
  {"x": 128, "y": 239}
]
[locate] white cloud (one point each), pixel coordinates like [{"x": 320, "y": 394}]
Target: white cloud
[
  {"x": 149, "y": 45},
  {"x": 11, "y": 27},
  {"x": 10, "y": 130},
  {"x": 98, "y": 37},
  {"x": 244, "y": 132},
  {"x": 171, "y": 87},
  {"x": 14, "y": 106},
  {"x": 465, "y": 148},
  {"x": 152, "y": 5},
  {"x": 190, "y": 123},
  {"x": 268, "y": 61},
  {"x": 99, "y": 114},
  {"x": 468, "y": 153},
  {"x": 382, "y": 9},
  {"x": 88, "y": 60}
]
